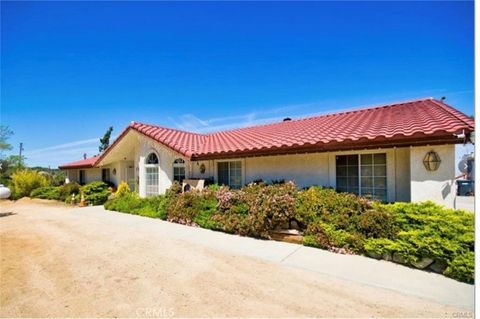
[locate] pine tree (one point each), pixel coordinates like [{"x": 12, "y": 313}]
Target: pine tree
[{"x": 105, "y": 140}]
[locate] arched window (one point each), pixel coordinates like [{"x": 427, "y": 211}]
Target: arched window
[
  {"x": 151, "y": 174},
  {"x": 179, "y": 170},
  {"x": 152, "y": 159}
]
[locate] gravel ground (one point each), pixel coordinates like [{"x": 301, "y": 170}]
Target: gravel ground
[{"x": 56, "y": 262}]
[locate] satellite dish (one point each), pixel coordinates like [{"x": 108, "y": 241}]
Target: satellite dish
[{"x": 464, "y": 166}]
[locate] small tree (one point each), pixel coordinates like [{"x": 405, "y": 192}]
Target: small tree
[
  {"x": 105, "y": 140},
  {"x": 5, "y": 134}
]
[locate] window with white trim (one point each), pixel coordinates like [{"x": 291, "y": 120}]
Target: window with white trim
[
  {"x": 230, "y": 173},
  {"x": 179, "y": 170},
  {"x": 363, "y": 174},
  {"x": 151, "y": 175}
]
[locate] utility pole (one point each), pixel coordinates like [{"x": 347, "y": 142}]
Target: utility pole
[{"x": 20, "y": 154}]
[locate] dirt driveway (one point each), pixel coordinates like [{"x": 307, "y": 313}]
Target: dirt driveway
[{"x": 57, "y": 262}]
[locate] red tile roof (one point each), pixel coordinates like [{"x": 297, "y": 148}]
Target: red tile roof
[
  {"x": 85, "y": 163},
  {"x": 185, "y": 143},
  {"x": 407, "y": 120},
  {"x": 407, "y": 123}
]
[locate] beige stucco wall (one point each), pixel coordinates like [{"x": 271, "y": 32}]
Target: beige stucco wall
[
  {"x": 407, "y": 179},
  {"x": 166, "y": 157},
  {"x": 438, "y": 186},
  {"x": 303, "y": 169},
  {"x": 318, "y": 169},
  {"x": 91, "y": 175}
]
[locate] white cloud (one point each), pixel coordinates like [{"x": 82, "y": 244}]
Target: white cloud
[{"x": 62, "y": 146}]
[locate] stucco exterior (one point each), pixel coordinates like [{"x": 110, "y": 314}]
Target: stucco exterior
[
  {"x": 407, "y": 179},
  {"x": 166, "y": 157},
  {"x": 438, "y": 186}
]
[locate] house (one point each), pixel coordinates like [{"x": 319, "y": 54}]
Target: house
[{"x": 395, "y": 152}]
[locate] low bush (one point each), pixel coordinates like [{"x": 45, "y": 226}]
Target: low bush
[
  {"x": 95, "y": 193},
  {"x": 131, "y": 203},
  {"x": 256, "y": 208},
  {"x": 322, "y": 235},
  {"x": 462, "y": 267},
  {"x": 431, "y": 231},
  {"x": 67, "y": 190},
  {"x": 340, "y": 209},
  {"x": 25, "y": 181},
  {"x": 48, "y": 192},
  {"x": 122, "y": 189},
  {"x": 193, "y": 207},
  {"x": 377, "y": 223}
]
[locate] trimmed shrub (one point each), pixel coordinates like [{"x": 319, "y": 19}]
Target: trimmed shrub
[
  {"x": 48, "y": 192},
  {"x": 131, "y": 203},
  {"x": 432, "y": 231},
  {"x": 462, "y": 267},
  {"x": 125, "y": 204},
  {"x": 122, "y": 189},
  {"x": 66, "y": 191},
  {"x": 322, "y": 235},
  {"x": 341, "y": 209},
  {"x": 25, "y": 181},
  {"x": 193, "y": 208},
  {"x": 256, "y": 208},
  {"x": 95, "y": 193},
  {"x": 377, "y": 223},
  {"x": 175, "y": 189}
]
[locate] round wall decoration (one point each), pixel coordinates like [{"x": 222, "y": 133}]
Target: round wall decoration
[{"x": 432, "y": 161}]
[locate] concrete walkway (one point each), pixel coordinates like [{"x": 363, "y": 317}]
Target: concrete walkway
[{"x": 354, "y": 268}]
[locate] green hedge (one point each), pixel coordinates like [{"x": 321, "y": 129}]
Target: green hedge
[
  {"x": 48, "y": 192},
  {"x": 62, "y": 193},
  {"x": 130, "y": 203},
  {"x": 95, "y": 193},
  {"x": 418, "y": 235}
]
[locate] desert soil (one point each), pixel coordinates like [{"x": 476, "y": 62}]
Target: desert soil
[{"x": 57, "y": 263}]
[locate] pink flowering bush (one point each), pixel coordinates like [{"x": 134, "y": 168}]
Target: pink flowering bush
[{"x": 256, "y": 209}]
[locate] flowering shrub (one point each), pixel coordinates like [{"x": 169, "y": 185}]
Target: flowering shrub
[
  {"x": 273, "y": 207},
  {"x": 193, "y": 208}
]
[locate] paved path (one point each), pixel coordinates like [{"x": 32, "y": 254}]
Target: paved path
[{"x": 360, "y": 269}]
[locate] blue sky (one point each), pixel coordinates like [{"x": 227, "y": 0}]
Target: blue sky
[{"x": 69, "y": 70}]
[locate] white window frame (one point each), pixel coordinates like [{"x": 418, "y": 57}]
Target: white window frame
[
  {"x": 179, "y": 163},
  {"x": 153, "y": 169},
  {"x": 242, "y": 171},
  {"x": 359, "y": 167}
]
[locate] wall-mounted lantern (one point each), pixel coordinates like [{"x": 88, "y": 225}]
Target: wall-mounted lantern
[
  {"x": 432, "y": 161},
  {"x": 114, "y": 171},
  {"x": 202, "y": 169}
]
